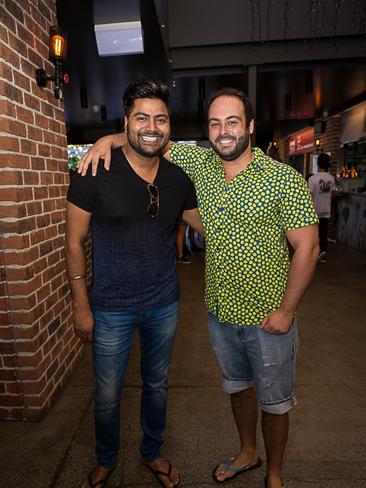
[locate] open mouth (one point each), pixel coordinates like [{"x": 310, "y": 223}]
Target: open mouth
[{"x": 150, "y": 139}]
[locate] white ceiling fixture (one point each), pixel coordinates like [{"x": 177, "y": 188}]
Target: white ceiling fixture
[{"x": 119, "y": 38}]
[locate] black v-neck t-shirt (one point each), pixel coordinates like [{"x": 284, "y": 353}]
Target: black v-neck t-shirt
[{"x": 133, "y": 253}]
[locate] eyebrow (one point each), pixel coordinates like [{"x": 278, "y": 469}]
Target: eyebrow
[
  {"x": 226, "y": 118},
  {"x": 148, "y": 115}
]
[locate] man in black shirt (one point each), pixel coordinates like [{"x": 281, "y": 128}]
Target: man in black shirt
[{"x": 133, "y": 209}]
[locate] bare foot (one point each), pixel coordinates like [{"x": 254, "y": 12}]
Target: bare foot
[
  {"x": 273, "y": 481},
  {"x": 171, "y": 478},
  {"x": 241, "y": 461},
  {"x": 98, "y": 474}
]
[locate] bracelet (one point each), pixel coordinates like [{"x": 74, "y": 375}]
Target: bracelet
[{"x": 78, "y": 277}]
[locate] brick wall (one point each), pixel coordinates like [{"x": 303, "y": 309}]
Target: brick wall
[
  {"x": 330, "y": 139},
  {"x": 37, "y": 346}
]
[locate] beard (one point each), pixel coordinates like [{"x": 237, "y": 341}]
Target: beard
[
  {"x": 230, "y": 154},
  {"x": 145, "y": 149}
]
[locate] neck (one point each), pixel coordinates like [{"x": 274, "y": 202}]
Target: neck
[
  {"x": 145, "y": 167},
  {"x": 232, "y": 168}
]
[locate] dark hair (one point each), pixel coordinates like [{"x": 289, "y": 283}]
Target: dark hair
[
  {"x": 323, "y": 161},
  {"x": 233, "y": 92},
  {"x": 144, "y": 89}
]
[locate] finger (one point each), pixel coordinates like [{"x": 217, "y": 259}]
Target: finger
[
  {"x": 86, "y": 163},
  {"x": 95, "y": 162},
  {"x": 265, "y": 322},
  {"x": 107, "y": 161},
  {"x": 81, "y": 163}
]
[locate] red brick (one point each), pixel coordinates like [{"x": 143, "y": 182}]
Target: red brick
[
  {"x": 14, "y": 9},
  {"x": 37, "y": 237},
  {"x": 25, "y": 35},
  {"x": 28, "y": 147},
  {"x": 23, "y": 303},
  {"x": 34, "y": 208},
  {"x": 11, "y": 178},
  {"x": 31, "y": 178},
  {"x": 32, "y": 102},
  {"x": 46, "y": 178},
  {"x": 19, "y": 274},
  {"x": 7, "y": 108},
  {"x": 21, "y": 258},
  {"x": 40, "y": 193},
  {"x": 44, "y": 150},
  {"x": 6, "y": 19},
  {"x": 17, "y": 44},
  {"x": 10, "y": 400},
  {"x": 19, "y": 226},
  {"x": 42, "y": 121},
  {"x": 17, "y": 211},
  {"x": 49, "y": 205},
  {"x": 24, "y": 288},
  {"x": 9, "y": 143},
  {"x": 12, "y": 127},
  {"x": 16, "y": 194},
  {"x": 9, "y": 55},
  {"x": 14, "y": 161},
  {"x": 38, "y": 163},
  {"x": 5, "y": 334},
  {"x": 16, "y": 242},
  {"x": 6, "y": 72},
  {"x": 11, "y": 92}
]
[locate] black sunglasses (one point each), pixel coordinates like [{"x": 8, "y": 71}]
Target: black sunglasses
[{"x": 153, "y": 207}]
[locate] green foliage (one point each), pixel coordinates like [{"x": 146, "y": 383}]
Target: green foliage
[{"x": 73, "y": 162}]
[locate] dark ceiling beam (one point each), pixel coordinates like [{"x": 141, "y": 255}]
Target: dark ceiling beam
[{"x": 204, "y": 57}]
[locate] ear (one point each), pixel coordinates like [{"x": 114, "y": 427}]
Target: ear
[
  {"x": 126, "y": 123},
  {"x": 251, "y": 127}
]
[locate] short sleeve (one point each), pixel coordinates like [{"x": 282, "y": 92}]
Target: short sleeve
[
  {"x": 191, "y": 198},
  {"x": 82, "y": 191},
  {"x": 296, "y": 206},
  {"x": 188, "y": 157}
]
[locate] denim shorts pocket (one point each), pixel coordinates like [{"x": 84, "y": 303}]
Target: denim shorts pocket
[{"x": 276, "y": 349}]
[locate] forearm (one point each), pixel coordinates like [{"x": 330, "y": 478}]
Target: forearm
[
  {"x": 117, "y": 140},
  {"x": 75, "y": 265},
  {"x": 302, "y": 269}
]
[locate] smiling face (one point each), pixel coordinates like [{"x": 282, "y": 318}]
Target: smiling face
[
  {"x": 229, "y": 136},
  {"x": 148, "y": 126}
]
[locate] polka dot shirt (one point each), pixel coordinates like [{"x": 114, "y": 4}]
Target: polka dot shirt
[{"x": 246, "y": 220}]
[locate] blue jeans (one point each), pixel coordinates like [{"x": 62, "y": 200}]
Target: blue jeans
[
  {"x": 249, "y": 356},
  {"x": 113, "y": 336}
]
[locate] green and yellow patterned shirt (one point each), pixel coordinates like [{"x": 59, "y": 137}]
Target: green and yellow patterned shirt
[{"x": 246, "y": 220}]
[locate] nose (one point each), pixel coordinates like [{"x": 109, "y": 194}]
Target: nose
[{"x": 151, "y": 125}]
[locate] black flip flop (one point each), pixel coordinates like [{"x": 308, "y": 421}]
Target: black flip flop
[
  {"x": 237, "y": 471},
  {"x": 157, "y": 473}
]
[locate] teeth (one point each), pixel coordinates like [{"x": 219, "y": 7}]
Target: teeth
[{"x": 149, "y": 138}]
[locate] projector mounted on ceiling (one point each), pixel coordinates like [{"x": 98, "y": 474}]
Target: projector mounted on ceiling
[{"x": 119, "y": 38}]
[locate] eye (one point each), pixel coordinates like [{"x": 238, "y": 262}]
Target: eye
[
  {"x": 161, "y": 120},
  {"x": 232, "y": 122},
  {"x": 214, "y": 125},
  {"x": 141, "y": 118}
]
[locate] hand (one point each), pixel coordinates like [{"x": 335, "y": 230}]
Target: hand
[
  {"x": 83, "y": 324},
  {"x": 101, "y": 149},
  {"x": 277, "y": 322}
]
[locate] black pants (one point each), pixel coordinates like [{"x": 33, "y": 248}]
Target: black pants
[{"x": 323, "y": 233}]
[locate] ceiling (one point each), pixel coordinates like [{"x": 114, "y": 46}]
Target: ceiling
[{"x": 297, "y": 60}]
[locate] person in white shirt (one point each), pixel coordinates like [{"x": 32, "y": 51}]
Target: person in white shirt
[{"x": 321, "y": 186}]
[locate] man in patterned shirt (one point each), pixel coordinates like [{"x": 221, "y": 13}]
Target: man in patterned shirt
[{"x": 250, "y": 204}]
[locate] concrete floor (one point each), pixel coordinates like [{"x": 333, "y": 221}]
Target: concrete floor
[{"x": 327, "y": 445}]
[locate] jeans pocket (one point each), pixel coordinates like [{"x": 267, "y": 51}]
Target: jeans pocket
[{"x": 276, "y": 349}]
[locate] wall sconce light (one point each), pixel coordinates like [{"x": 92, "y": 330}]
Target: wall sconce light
[
  {"x": 57, "y": 54},
  {"x": 274, "y": 143},
  {"x": 317, "y": 145}
]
